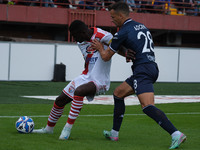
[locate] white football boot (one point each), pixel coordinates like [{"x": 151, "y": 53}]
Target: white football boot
[
  {"x": 42, "y": 131},
  {"x": 65, "y": 133}
]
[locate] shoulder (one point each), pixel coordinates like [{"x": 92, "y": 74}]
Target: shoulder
[
  {"x": 100, "y": 33},
  {"x": 103, "y": 36},
  {"x": 127, "y": 27}
]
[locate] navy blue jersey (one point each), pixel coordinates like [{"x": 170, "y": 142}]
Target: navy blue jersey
[{"x": 135, "y": 36}]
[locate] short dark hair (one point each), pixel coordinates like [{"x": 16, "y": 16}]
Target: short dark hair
[
  {"x": 120, "y": 7},
  {"x": 78, "y": 26}
]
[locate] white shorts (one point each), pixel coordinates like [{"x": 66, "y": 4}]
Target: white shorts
[{"x": 71, "y": 87}]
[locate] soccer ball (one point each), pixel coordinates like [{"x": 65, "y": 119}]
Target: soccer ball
[{"x": 24, "y": 124}]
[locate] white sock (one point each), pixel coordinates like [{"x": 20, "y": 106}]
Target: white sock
[
  {"x": 48, "y": 128},
  {"x": 115, "y": 133},
  {"x": 68, "y": 125},
  {"x": 175, "y": 133}
]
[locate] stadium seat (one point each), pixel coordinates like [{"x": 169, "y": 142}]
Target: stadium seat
[{"x": 173, "y": 11}]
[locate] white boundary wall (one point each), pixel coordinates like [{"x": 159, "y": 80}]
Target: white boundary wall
[{"x": 35, "y": 62}]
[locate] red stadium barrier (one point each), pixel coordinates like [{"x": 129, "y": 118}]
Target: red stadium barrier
[
  {"x": 89, "y": 17},
  {"x": 170, "y": 7},
  {"x": 173, "y": 16}
]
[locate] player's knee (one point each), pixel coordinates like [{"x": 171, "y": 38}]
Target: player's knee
[
  {"x": 62, "y": 100},
  {"x": 117, "y": 92},
  {"x": 86, "y": 89},
  {"x": 79, "y": 92}
]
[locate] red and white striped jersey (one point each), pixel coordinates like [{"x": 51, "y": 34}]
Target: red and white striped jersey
[{"x": 96, "y": 69}]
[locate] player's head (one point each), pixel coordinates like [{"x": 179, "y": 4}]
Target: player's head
[
  {"x": 79, "y": 31},
  {"x": 119, "y": 12}
]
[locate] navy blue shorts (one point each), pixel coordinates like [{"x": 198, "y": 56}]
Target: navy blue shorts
[{"x": 144, "y": 75}]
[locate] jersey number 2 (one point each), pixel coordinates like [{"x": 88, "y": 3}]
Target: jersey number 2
[{"x": 148, "y": 41}]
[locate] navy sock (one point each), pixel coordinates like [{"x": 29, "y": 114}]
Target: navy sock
[
  {"x": 160, "y": 118},
  {"x": 119, "y": 110}
]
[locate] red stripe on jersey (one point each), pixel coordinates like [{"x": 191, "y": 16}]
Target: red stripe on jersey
[
  {"x": 97, "y": 34},
  {"x": 87, "y": 63}
]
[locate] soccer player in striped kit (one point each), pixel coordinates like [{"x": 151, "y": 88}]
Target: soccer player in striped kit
[{"x": 94, "y": 80}]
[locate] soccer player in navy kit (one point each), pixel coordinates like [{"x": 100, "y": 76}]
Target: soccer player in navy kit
[{"x": 135, "y": 36}]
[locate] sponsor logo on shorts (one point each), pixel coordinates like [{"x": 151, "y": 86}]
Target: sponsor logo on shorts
[
  {"x": 135, "y": 85},
  {"x": 72, "y": 87}
]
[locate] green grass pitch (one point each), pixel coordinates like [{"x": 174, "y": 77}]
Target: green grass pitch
[{"x": 138, "y": 132}]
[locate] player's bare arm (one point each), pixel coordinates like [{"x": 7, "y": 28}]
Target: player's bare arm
[{"x": 107, "y": 54}]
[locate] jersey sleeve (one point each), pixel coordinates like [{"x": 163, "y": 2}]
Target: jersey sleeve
[
  {"x": 107, "y": 38},
  {"x": 117, "y": 40}
]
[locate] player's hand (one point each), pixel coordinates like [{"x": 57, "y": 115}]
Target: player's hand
[
  {"x": 130, "y": 55},
  {"x": 97, "y": 45}
]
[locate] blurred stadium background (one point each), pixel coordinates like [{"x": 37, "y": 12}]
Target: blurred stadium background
[
  {"x": 34, "y": 40},
  {"x": 34, "y": 37}
]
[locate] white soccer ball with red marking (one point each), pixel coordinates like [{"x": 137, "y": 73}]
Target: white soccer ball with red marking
[{"x": 25, "y": 124}]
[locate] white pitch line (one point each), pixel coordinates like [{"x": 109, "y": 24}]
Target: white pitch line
[
  {"x": 132, "y": 100},
  {"x": 105, "y": 115}
]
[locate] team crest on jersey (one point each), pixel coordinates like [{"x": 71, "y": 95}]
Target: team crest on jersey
[
  {"x": 90, "y": 50},
  {"x": 115, "y": 36}
]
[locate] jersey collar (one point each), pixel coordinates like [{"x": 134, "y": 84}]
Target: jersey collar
[
  {"x": 94, "y": 33},
  {"x": 128, "y": 20}
]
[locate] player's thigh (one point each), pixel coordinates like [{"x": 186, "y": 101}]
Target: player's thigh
[
  {"x": 86, "y": 89},
  {"x": 73, "y": 85},
  {"x": 146, "y": 99},
  {"x": 123, "y": 90}
]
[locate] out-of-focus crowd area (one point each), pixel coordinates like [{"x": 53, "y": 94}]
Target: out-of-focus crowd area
[{"x": 170, "y": 7}]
